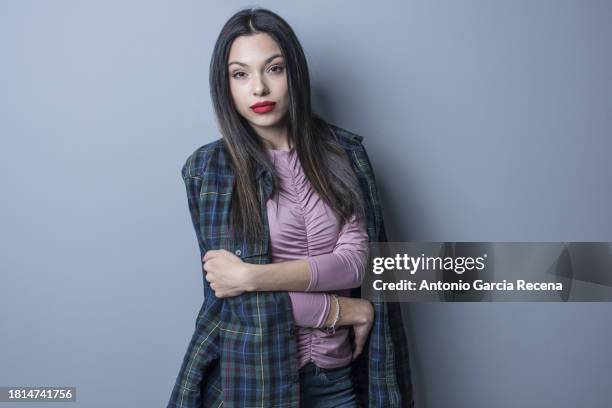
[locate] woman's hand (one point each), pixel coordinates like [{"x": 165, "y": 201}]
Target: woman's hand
[
  {"x": 362, "y": 325},
  {"x": 227, "y": 274},
  {"x": 358, "y": 313}
]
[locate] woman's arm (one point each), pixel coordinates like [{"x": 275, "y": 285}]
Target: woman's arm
[
  {"x": 355, "y": 312},
  {"x": 343, "y": 268},
  {"x": 311, "y": 309},
  {"x": 318, "y": 310}
]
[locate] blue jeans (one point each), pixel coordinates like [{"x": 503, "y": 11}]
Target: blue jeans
[{"x": 326, "y": 387}]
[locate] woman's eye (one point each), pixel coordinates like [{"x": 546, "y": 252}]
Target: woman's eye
[
  {"x": 237, "y": 75},
  {"x": 277, "y": 71}
]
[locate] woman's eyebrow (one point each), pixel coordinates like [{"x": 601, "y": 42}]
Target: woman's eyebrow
[{"x": 270, "y": 58}]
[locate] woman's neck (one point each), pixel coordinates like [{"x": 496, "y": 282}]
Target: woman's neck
[{"x": 275, "y": 138}]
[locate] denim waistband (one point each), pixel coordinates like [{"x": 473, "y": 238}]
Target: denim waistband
[{"x": 312, "y": 368}]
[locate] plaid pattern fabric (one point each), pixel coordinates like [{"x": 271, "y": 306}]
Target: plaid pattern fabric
[{"x": 243, "y": 351}]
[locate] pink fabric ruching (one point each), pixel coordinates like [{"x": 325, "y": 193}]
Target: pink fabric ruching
[{"x": 302, "y": 226}]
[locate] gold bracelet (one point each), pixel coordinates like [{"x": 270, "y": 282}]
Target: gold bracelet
[{"x": 332, "y": 329}]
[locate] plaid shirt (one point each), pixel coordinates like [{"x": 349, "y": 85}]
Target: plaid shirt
[{"x": 243, "y": 352}]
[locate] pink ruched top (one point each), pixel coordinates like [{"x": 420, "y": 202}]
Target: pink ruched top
[{"x": 302, "y": 226}]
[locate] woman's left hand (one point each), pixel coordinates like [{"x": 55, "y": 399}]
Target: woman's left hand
[{"x": 227, "y": 274}]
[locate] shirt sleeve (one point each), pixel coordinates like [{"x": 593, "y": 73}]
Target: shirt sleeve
[
  {"x": 310, "y": 309},
  {"x": 192, "y": 188},
  {"x": 344, "y": 267}
]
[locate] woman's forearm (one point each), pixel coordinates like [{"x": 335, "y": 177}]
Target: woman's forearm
[
  {"x": 322, "y": 273},
  {"x": 291, "y": 275},
  {"x": 343, "y": 268},
  {"x": 318, "y": 310},
  {"x": 232, "y": 276},
  {"x": 310, "y": 309},
  {"x": 352, "y": 311}
]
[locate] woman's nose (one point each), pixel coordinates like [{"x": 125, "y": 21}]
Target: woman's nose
[{"x": 259, "y": 86}]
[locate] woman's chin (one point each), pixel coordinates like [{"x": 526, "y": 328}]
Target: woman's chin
[{"x": 263, "y": 122}]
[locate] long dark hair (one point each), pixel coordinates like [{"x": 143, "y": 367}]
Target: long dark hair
[{"x": 323, "y": 160}]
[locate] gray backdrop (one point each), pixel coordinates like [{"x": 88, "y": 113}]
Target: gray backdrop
[{"x": 485, "y": 121}]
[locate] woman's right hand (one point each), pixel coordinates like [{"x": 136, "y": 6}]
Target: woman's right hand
[{"x": 358, "y": 313}]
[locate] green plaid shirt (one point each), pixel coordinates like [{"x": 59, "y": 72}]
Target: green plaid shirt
[{"x": 243, "y": 352}]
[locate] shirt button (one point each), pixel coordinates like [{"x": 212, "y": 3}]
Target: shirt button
[
  {"x": 292, "y": 331},
  {"x": 238, "y": 252}
]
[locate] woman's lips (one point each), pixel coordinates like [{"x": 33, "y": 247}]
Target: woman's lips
[{"x": 264, "y": 108}]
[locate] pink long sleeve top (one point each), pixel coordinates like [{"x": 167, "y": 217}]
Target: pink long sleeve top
[{"x": 302, "y": 226}]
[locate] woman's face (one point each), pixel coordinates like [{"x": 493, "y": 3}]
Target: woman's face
[{"x": 256, "y": 70}]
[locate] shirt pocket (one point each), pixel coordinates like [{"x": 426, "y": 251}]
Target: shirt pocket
[{"x": 252, "y": 253}]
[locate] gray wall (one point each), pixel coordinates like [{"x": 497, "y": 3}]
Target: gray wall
[{"x": 485, "y": 121}]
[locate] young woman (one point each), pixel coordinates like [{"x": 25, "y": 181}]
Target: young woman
[{"x": 279, "y": 208}]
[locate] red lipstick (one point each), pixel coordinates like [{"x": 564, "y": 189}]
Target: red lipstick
[{"x": 263, "y": 107}]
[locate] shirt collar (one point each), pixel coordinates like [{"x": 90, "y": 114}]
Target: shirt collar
[
  {"x": 260, "y": 171},
  {"x": 264, "y": 177}
]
